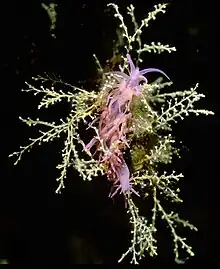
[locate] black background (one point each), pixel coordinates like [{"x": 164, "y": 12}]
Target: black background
[{"x": 37, "y": 226}]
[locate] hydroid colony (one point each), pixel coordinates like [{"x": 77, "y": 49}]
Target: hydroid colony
[{"x": 126, "y": 113}]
